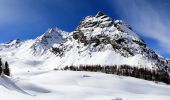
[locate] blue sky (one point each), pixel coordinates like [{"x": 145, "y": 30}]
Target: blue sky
[{"x": 27, "y": 19}]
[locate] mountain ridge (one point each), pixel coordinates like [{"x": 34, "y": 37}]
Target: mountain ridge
[{"x": 97, "y": 40}]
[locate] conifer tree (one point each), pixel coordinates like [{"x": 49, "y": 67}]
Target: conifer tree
[
  {"x": 0, "y": 66},
  {"x": 0, "y": 71},
  {"x": 6, "y": 70},
  {"x": 0, "y": 62}
]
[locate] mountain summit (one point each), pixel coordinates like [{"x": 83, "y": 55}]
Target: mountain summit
[{"x": 99, "y": 14}]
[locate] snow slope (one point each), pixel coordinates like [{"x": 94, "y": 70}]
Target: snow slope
[{"x": 68, "y": 85}]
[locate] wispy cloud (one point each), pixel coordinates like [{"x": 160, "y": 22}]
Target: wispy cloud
[{"x": 149, "y": 20}]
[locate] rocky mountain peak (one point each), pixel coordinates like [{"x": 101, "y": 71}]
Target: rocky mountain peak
[
  {"x": 99, "y": 14},
  {"x": 47, "y": 40},
  {"x": 51, "y": 36},
  {"x": 17, "y": 41},
  {"x": 14, "y": 43},
  {"x": 100, "y": 20}
]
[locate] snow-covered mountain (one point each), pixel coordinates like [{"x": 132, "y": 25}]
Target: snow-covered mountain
[
  {"x": 97, "y": 40},
  {"x": 101, "y": 40}
]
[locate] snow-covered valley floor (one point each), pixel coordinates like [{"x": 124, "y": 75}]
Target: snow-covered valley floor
[{"x": 70, "y": 85}]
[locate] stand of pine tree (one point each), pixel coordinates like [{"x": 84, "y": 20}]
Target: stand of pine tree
[
  {"x": 157, "y": 75},
  {"x": 4, "y": 68}
]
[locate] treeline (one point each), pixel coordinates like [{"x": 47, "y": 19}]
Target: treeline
[
  {"x": 158, "y": 75},
  {"x": 4, "y": 68}
]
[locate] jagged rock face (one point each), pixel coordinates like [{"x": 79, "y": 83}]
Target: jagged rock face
[{"x": 101, "y": 29}]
